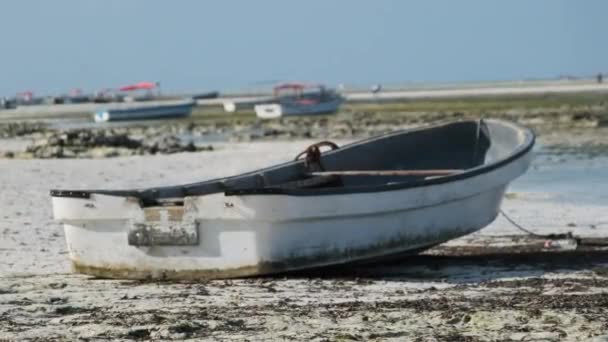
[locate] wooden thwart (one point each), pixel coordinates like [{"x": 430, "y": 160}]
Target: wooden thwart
[{"x": 445, "y": 172}]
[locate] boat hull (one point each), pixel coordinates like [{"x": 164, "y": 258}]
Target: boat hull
[
  {"x": 276, "y": 110},
  {"x": 145, "y": 112},
  {"x": 245, "y": 235}
]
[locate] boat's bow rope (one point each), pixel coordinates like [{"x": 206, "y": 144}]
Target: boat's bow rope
[{"x": 552, "y": 237}]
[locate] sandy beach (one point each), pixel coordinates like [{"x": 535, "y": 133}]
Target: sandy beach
[{"x": 496, "y": 284}]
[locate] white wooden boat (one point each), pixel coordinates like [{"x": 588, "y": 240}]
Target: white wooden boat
[
  {"x": 304, "y": 99},
  {"x": 390, "y": 195},
  {"x": 145, "y": 111}
]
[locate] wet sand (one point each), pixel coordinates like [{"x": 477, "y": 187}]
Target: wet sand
[{"x": 496, "y": 284}]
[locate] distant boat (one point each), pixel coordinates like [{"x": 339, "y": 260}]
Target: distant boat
[
  {"x": 27, "y": 98},
  {"x": 304, "y": 99},
  {"x": 76, "y": 96},
  {"x": 205, "y": 96},
  {"x": 387, "y": 196},
  {"x": 136, "y": 91},
  {"x": 143, "y": 111},
  {"x": 8, "y": 103},
  {"x": 140, "y": 86}
]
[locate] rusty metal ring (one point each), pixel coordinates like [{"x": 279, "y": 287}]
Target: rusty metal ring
[{"x": 314, "y": 149}]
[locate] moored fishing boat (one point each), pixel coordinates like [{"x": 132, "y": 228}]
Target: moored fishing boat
[
  {"x": 145, "y": 111},
  {"x": 389, "y": 195},
  {"x": 299, "y": 99}
]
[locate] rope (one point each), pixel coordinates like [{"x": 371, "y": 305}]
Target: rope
[
  {"x": 592, "y": 242},
  {"x": 531, "y": 233}
]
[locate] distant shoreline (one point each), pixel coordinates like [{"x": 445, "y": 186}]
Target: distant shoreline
[{"x": 391, "y": 94}]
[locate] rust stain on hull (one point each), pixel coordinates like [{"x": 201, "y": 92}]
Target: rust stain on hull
[
  {"x": 174, "y": 213},
  {"x": 118, "y": 272},
  {"x": 388, "y": 249}
]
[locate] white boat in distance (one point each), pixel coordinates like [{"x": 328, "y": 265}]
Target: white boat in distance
[
  {"x": 390, "y": 195},
  {"x": 303, "y": 99},
  {"x": 145, "y": 111}
]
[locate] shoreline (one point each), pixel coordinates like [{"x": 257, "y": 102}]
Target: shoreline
[
  {"x": 584, "y": 124},
  {"x": 434, "y": 92}
]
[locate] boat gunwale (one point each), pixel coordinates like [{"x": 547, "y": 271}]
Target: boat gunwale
[
  {"x": 525, "y": 147},
  {"x": 138, "y": 106},
  {"x": 476, "y": 171}
]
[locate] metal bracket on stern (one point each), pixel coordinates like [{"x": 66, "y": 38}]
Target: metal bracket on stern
[{"x": 164, "y": 226}]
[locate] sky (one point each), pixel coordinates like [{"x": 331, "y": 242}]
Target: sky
[{"x": 50, "y": 47}]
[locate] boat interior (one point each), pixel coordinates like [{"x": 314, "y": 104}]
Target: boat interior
[{"x": 402, "y": 159}]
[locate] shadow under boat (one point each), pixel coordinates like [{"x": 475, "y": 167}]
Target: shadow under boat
[{"x": 461, "y": 264}]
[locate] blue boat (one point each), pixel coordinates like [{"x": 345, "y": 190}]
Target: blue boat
[{"x": 146, "y": 111}]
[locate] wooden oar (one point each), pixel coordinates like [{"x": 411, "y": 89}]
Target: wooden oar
[{"x": 445, "y": 172}]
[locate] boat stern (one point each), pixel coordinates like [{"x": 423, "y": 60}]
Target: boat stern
[
  {"x": 112, "y": 236},
  {"x": 69, "y": 206}
]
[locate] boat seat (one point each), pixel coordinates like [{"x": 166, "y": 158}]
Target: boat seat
[
  {"x": 304, "y": 183},
  {"x": 311, "y": 182}
]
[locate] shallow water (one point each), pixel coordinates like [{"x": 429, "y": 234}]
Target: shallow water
[{"x": 568, "y": 178}]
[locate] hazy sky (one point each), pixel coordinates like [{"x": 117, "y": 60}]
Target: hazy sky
[{"x": 54, "y": 46}]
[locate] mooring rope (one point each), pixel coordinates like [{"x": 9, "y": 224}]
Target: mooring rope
[
  {"x": 597, "y": 242},
  {"x": 540, "y": 236}
]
